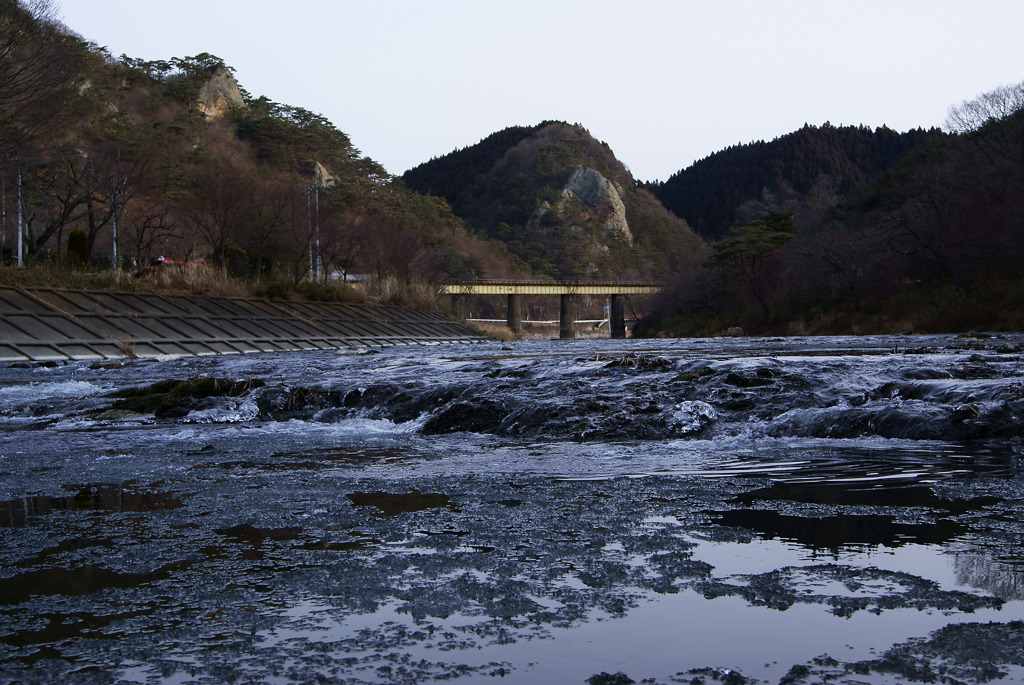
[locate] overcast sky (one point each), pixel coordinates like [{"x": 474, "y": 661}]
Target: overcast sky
[{"x": 663, "y": 82}]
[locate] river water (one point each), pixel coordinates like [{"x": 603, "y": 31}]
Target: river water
[{"x": 729, "y": 510}]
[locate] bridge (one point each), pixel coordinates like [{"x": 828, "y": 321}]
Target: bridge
[{"x": 567, "y": 290}]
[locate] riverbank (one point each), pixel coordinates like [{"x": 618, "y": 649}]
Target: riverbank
[
  {"x": 197, "y": 278},
  {"x": 994, "y": 305},
  {"x": 44, "y": 324}
]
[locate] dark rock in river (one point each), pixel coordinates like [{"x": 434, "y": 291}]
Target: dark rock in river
[
  {"x": 175, "y": 398},
  {"x": 481, "y": 416}
]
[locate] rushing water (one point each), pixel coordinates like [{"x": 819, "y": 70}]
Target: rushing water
[{"x": 750, "y": 510}]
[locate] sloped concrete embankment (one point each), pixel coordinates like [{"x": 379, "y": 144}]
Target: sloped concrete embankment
[{"x": 39, "y": 324}]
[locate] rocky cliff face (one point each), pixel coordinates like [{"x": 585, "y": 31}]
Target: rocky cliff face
[
  {"x": 322, "y": 177},
  {"x": 599, "y": 198},
  {"x": 595, "y": 198},
  {"x": 220, "y": 94}
]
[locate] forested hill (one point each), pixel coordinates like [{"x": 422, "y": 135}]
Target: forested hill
[
  {"x": 561, "y": 202},
  {"x": 116, "y": 161},
  {"x": 447, "y": 176},
  {"x": 806, "y": 165},
  {"x": 931, "y": 245}
]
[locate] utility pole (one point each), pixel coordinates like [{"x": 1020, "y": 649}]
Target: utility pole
[
  {"x": 319, "y": 259},
  {"x": 3, "y": 213},
  {"x": 118, "y": 188},
  {"x": 21, "y": 219},
  {"x": 113, "y": 222},
  {"x": 313, "y": 230},
  {"x": 309, "y": 230}
]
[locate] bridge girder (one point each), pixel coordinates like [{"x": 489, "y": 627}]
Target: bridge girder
[{"x": 549, "y": 288}]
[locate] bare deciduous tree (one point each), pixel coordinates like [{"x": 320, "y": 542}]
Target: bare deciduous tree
[
  {"x": 1003, "y": 106},
  {"x": 218, "y": 209},
  {"x": 275, "y": 210},
  {"x": 36, "y": 72},
  {"x": 146, "y": 228},
  {"x": 341, "y": 241}
]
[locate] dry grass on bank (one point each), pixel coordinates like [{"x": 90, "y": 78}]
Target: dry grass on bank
[
  {"x": 996, "y": 305},
  {"x": 392, "y": 291},
  {"x": 51, "y": 277},
  {"x": 200, "y": 279},
  {"x": 184, "y": 279},
  {"x": 196, "y": 279},
  {"x": 497, "y": 331}
]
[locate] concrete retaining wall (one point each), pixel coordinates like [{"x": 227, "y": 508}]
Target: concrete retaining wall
[{"x": 38, "y": 324}]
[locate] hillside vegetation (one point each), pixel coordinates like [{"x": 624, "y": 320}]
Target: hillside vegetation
[
  {"x": 511, "y": 187},
  {"x": 932, "y": 245},
  {"x": 116, "y": 162},
  {"x": 807, "y": 171},
  {"x": 109, "y": 163}
]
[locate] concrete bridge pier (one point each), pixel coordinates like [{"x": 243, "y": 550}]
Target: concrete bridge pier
[
  {"x": 515, "y": 314},
  {"x": 617, "y": 317},
  {"x": 567, "y": 319}
]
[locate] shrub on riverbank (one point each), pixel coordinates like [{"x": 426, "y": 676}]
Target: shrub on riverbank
[{"x": 995, "y": 304}]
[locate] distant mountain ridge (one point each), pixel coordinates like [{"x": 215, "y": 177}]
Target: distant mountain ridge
[
  {"x": 829, "y": 160},
  {"x": 932, "y": 244},
  {"x": 450, "y": 174}
]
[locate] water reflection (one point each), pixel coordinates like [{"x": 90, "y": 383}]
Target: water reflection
[
  {"x": 81, "y": 580},
  {"x": 874, "y": 491},
  {"x": 19, "y": 512},
  {"x": 348, "y": 455},
  {"x": 840, "y": 530},
  {"x": 998, "y": 570},
  {"x": 392, "y": 504}
]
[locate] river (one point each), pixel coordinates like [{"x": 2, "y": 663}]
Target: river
[{"x": 720, "y": 510}]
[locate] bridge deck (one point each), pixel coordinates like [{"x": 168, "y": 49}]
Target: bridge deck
[{"x": 493, "y": 287}]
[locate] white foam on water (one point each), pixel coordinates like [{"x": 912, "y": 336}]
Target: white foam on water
[
  {"x": 233, "y": 410},
  {"x": 41, "y": 391}
]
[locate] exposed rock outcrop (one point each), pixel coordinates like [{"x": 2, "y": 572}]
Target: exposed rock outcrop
[
  {"x": 599, "y": 198},
  {"x": 220, "y": 94},
  {"x": 323, "y": 178}
]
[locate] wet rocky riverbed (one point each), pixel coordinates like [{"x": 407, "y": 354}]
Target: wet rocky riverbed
[{"x": 842, "y": 510}]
